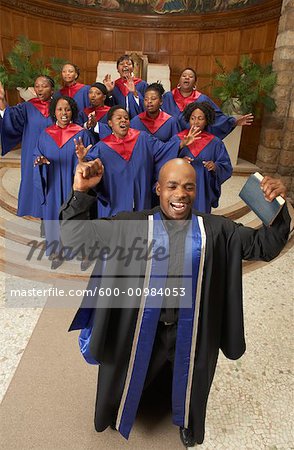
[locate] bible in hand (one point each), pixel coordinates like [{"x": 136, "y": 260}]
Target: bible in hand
[{"x": 253, "y": 196}]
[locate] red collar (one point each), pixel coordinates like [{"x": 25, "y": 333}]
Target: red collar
[
  {"x": 199, "y": 144},
  {"x": 62, "y": 135},
  {"x": 124, "y": 147},
  {"x": 100, "y": 111},
  {"x": 182, "y": 101},
  {"x": 42, "y": 107},
  {"x": 121, "y": 84},
  {"x": 154, "y": 124},
  {"x": 71, "y": 91}
]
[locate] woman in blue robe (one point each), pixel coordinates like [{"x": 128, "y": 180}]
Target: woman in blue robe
[
  {"x": 23, "y": 124},
  {"x": 175, "y": 101},
  {"x": 208, "y": 156},
  {"x": 127, "y": 91},
  {"x": 55, "y": 161},
  {"x": 71, "y": 88},
  {"x": 154, "y": 121},
  {"x": 94, "y": 118}
]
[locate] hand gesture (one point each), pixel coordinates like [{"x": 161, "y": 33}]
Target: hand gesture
[
  {"x": 247, "y": 119},
  {"x": 41, "y": 160},
  {"x": 81, "y": 150},
  {"x": 108, "y": 83},
  {"x": 92, "y": 121},
  {"x": 209, "y": 165},
  {"x": 88, "y": 175},
  {"x": 131, "y": 85},
  {"x": 194, "y": 134},
  {"x": 272, "y": 188}
]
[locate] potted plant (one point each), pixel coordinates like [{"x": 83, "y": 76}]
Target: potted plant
[
  {"x": 24, "y": 65},
  {"x": 245, "y": 89}
]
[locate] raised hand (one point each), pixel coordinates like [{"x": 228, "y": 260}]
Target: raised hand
[
  {"x": 108, "y": 82},
  {"x": 209, "y": 165},
  {"x": 194, "y": 134},
  {"x": 88, "y": 175},
  {"x": 92, "y": 121},
  {"x": 41, "y": 160},
  {"x": 272, "y": 188},
  {"x": 131, "y": 85},
  {"x": 246, "y": 120},
  {"x": 81, "y": 150}
]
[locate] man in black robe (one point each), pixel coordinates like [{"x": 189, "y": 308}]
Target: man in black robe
[{"x": 133, "y": 339}]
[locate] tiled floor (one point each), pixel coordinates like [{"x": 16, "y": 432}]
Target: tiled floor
[{"x": 251, "y": 398}]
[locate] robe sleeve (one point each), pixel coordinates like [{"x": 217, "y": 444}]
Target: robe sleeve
[
  {"x": 100, "y": 188},
  {"x": 134, "y": 107},
  {"x": 82, "y": 118},
  {"x": 162, "y": 151},
  {"x": 223, "y": 171},
  {"x": 13, "y": 126},
  {"x": 223, "y": 124}
]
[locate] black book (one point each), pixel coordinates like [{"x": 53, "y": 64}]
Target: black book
[{"x": 253, "y": 196}]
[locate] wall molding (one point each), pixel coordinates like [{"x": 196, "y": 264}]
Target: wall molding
[{"x": 270, "y": 10}]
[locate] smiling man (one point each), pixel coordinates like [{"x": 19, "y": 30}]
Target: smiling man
[{"x": 184, "y": 303}]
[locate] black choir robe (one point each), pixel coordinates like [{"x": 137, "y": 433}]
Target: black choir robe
[{"x": 122, "y": 338}]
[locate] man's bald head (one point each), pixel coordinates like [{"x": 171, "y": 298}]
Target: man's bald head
[
  {"x": 179, "y": 165},
  {"x": 176, "y": 188}
]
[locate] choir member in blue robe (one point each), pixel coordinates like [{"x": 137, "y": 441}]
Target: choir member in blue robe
[
  {"x": 127, "y": 91},
  {"x": 174, "y": 103},
  {"x": 94, "y": 118},
  {"x": 132, "y": 160},
  {"x": 154, "y": 121},
  {"x": 55, "y": 160},
  {"x": 78, "y": 91},
  {"x": 23, "y": 124},
  {"x": 209, "y": 157}
]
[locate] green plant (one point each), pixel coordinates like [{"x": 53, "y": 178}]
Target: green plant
[
  {"x": 25, "y": 64},
  {"x": 246, "y": 88}
]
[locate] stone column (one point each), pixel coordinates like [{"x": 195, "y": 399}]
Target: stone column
[{"x": 276, "y": 149}]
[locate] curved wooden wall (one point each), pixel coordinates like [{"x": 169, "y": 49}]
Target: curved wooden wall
[{"x": 85, "y": 36}]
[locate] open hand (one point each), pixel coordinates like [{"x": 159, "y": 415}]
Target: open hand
[
  {"x": 88, "y": 175},
  {"x": 41, "y": 160},
  {"x": 209, "y": 165},
  {"x": 246, "y": 120},
  {"x": 81, "y": 150},
  {"x": 109, "y": 83},
  {"x": 194, "y": 134}
]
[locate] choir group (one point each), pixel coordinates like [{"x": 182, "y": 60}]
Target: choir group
[{"x": 133, "y": 127}]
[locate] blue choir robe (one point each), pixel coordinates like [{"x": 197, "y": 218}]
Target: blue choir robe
[
  {"x": 100, "y": 114},
  {"x": 131, "y": 167},
  {"x": 79, "y": 92},
  {"x": 164, "y": 127},
  {"x": 174, "y": 104},
  {"x": 53, "y": 182},
  {"x": 23, "y": 124},
  {"x": 208, "y": 148},
  {"x": 122, "y": 96}
]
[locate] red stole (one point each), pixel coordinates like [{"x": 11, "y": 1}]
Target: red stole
[
  {"x": 100, "y": 111},
  {"x": 121, "y": 84},
  {"x": 62, "y": 135},
  {"x": 199, "y": 144},
  {"x": 42, "y": 107},
  {"x": 154, "y": 124},
  {"x": 124, "y": 147},
  {"x": 182, "y": 101},
  {"x": 71, "y": 91}
]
